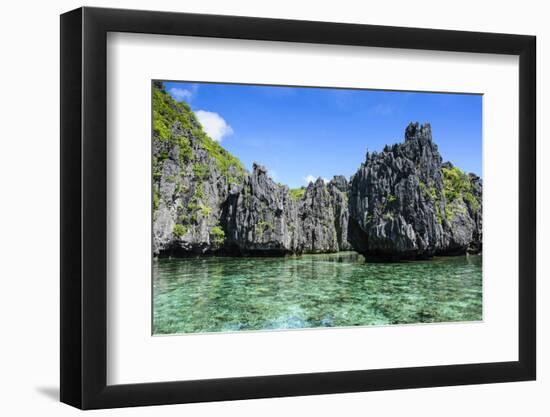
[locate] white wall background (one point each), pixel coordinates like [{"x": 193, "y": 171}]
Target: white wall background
[{"x": 29, "y": 219}]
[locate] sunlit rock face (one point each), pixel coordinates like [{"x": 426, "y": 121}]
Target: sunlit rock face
[
  {"x": 405, "y": 203},
  {"x": 262, "y": 217},
  {"x": 402, "y": 202}
]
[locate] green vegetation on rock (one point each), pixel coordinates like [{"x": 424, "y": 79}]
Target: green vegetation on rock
[
  {"x": 263, "y": 226},
  {"x": 167, "y": 112},
  {"x": 392, "y": 201},
  {"x": 179, "y": 230},
  {"x": 156, "y": 199},
  {"x": 228, "y": 164},
  {"x": 174, "y": 122},
  {"x": 297, "y": 193},
  {"x": 205, "y": 210},
  {"x": 200, "y": 170},
  {"x": 430, "y": 192},
  {"x": 217, "y": 235},
  {"x": 457, "y": 185}
]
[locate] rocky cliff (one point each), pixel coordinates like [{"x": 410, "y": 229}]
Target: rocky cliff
[
  {"x": 204, "y": 201},
  {"x": 192, "y": 178},
  {"x": 402, "y": 203},
  {"x": 406, "y": 204}
]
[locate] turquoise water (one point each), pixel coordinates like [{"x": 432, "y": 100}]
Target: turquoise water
[{"x": 217, "y": 294}]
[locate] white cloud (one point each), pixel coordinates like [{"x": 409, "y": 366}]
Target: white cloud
[
  {"x": 181, "y": 94},
  {"x": 311, "y": 178},
  {"x": 214, "y": 125}
]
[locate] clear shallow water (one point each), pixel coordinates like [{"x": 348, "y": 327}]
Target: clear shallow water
[{"x": 214, "y": 294}]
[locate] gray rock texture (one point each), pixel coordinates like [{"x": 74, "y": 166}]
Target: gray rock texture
[
  {"x": 402, "y": 203},
  {"x": 338, "y": 189},
  {"x": 317, "y": 228},
  {"x": 405, "y": 204},
  {"x": 259, "y": 216}
]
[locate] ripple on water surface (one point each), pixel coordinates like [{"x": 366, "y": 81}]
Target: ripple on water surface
[{"x": 214, "y": 294}]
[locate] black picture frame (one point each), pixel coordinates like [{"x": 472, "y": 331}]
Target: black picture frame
[{"x": 84, "y": 207}]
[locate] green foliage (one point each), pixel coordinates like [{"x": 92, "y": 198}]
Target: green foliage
[
  {"x": 229, "y": 165},
  {"x": 200, "y": 170},
  {"x": 160, "y": 128},
  {"x": 179, "y": 230},
  {"x": 193, "y": 205},
  {"x": 186, "y": 153},
  {"x": 455, "y": 182},
  {"x": 391, "y": 198},
  {"x": 471, "y": 200},
  {"x": 168, "y": 113},
  {"x": 263, "y": 226},
  {"x": 205, "y": 210},
  {"x": 199, "y": 192},
  {"x": 217, "y": 235},
  {"x": 457, "y": 186},
  {"x": 297, "y": 193},
  {"x": 449, "y": 213},
  {"x": 438, "y": 214},
  {"x": 156, "y": 199},
  {"x": 196, "y": 206},
  {"x": 430, "y": 192},
  {"x": 157, "y": 169},
  {"x": 180, "y": 188},
  {"x": 162, "y": 156}
]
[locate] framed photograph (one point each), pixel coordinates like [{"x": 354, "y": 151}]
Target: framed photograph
[{"x": 257, "y": 208}]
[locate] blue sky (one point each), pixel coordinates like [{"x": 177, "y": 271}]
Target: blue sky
[{"x": 302, "y": 133}]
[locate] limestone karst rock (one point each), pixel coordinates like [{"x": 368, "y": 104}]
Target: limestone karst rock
[
  {"x": 402, "y": 203},
  {"x": 405, "y": 204}
]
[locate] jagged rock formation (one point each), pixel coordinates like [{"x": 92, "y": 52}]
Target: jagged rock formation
[
  {"x": 406, "y": 204},
  {"x": 260, "y": 216},
  {"x": 402, "y": 203},
  {"x": 317, "y": 228},
  {"x": 204, "y": 201},
  {"x": 192, "y": 177},
  {"x": 338, "y": 188}
]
